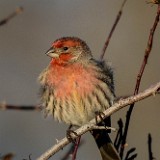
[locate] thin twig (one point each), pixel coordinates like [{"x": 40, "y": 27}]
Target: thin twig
[
  {"x": 104, "y": 127},
  {"x": 112, "y": 30},
  {"x": 87, "y": 127},
  {"x": 139, "y": 77},
  {"x": 150, "y": 147},
  {"x": 12, "y": 15},
  {"x": 4, "y": 106},
  {"x": 130, "y": 154},
  {"x": 118, "y": 138},
  {"x": 147, "y": 51}
]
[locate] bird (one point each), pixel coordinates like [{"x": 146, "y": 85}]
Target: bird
[{"x": 75, "y": 86}]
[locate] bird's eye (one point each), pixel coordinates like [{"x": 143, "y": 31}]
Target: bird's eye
[{"x": 65, "y": 48}]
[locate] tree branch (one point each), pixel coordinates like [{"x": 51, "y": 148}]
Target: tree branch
[
  {"x": 12, "y": 15},
  {"x": 150, "y": 147},
  {"x": 112, "y": 30},
  {"x": 153, "y": 90},
  {"x": 4, "y": 106},
  {"x": 139, "y": 77}
]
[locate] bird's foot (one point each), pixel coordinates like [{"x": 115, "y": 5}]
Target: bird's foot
[
  {"x": 70, "y": 133},
  {"x": 100, "y": 115}
]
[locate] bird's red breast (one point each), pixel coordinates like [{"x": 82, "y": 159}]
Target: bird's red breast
[{"x": 71, "y": 78}]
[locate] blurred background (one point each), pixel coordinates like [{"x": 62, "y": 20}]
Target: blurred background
[{"x": 25, "y": 39}]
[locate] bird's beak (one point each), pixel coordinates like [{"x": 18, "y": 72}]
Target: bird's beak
[{"x": 51, "y": 53}]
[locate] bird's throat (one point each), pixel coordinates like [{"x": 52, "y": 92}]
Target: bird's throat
[{"x": 63, "y": 59}]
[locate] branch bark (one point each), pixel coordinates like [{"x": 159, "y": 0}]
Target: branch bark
[{"x": 153, "y": 90}]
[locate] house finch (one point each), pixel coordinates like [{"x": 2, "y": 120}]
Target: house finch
[{"x": 75, "y": 86}]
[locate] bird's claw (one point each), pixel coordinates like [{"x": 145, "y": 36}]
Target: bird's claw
[
  {"x": 101, "y": 115},
  {"x": 69, "y": 134}
]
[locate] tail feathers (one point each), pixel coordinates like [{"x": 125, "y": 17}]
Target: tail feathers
[{"x": 105, "y": 145}]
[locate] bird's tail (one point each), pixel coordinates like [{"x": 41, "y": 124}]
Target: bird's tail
[{"x": 105, "y": 145}]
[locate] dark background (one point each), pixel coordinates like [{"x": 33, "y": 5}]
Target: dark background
[{"x": 25, "y": 39}]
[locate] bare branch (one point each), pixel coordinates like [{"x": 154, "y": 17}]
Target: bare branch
[
  {"x": 130, "y": 154},
  {"x": 12, "y": 15},
  {"x": 112, "y": 30},
  {"x": 139, "y": 77},
  {"x": 4, "y": 106},
  {"x": 104, "y": 127},
  {"x": 148, "y": 50},
  {"x": 150, "y": 147},
  {"x": 119, "y": 135},
  {"x": 153, "y": 90}
]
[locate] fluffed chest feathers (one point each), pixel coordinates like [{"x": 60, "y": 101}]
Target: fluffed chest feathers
[{"x": 68, "y": 80}]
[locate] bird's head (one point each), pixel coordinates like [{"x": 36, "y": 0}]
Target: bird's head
[{"x": 69, "y": 50}]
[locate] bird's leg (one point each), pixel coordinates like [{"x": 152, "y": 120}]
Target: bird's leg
[
  {"x": 75, "y": 141},
  {"x": 106, "y": 122},
  {"x": 76, "y": 147},
  {"x": 69, "y": 133}
]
